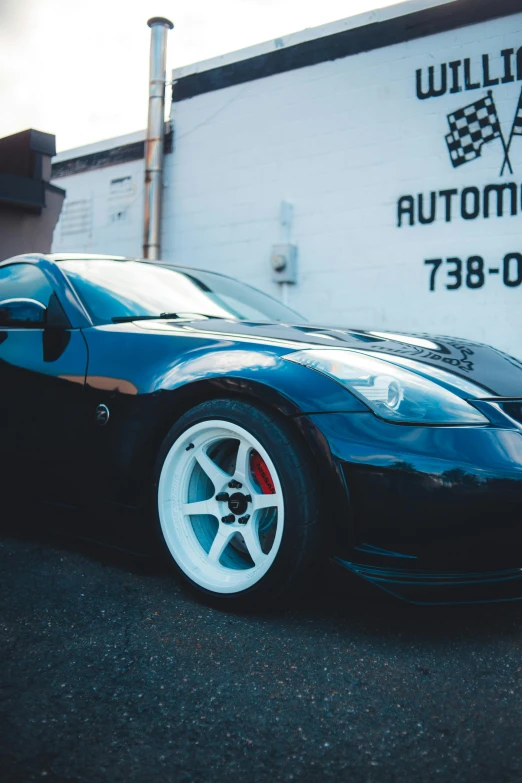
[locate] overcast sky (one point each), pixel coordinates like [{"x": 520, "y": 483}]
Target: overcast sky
[{"x": 79, "y": 69}]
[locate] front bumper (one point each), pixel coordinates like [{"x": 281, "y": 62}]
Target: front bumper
[{"x": 435, "y": 512}]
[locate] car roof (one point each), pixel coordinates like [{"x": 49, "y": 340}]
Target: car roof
[
  {"x": 88, "y": 257},
  {"x": 58, "y": 257}
]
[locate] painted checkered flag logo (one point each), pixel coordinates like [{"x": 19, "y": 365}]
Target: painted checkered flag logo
[
  {"x": 471, "y": 127},
  {"x": 516, "y": 130},
  {"x": 517, "y": 122}
]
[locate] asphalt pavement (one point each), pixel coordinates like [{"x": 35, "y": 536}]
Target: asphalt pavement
[{"x": 111, "y": 671}]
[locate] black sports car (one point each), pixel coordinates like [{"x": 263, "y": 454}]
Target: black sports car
[{"x": 254, "y": 443}]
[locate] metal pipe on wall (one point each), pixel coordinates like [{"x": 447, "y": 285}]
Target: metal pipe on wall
[{"x": 155, "y": 135}]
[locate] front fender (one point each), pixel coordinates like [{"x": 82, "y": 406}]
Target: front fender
[
  {"x": 290, "y": 387},
  {"x": 149, "y": 381}
]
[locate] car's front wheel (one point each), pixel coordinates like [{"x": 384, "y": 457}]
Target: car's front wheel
[{"x": 237, "y": 503}]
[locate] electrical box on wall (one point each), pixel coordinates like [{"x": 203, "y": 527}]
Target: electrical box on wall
[{"x": 284, "y": 263}]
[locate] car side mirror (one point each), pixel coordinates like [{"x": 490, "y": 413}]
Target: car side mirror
[{"x": 23, "y": 313}]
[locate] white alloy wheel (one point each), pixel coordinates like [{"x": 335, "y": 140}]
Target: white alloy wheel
[{"x": 221, "y": 506}]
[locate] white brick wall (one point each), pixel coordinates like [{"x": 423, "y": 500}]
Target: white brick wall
[{"x": 342, "y": 141}]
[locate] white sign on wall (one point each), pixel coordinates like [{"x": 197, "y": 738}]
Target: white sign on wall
[{"x": 471, "y": 127}]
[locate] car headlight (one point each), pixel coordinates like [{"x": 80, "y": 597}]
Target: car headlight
[{"x": 393, "y": 393}]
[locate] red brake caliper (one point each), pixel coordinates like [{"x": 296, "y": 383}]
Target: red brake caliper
[{"x": 261, "y": 473}]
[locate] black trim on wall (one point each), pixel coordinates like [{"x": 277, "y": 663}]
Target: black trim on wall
[
  {"x": 98, "y": 160},
  {"x": 54, "y": 189},
  {"x": 23, "y": 192},
  {"x": 429, "y": 21},
  {"x": 45, "y": 143}
]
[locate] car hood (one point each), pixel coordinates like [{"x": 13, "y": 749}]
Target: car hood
[{"x": 496, "y": 372}]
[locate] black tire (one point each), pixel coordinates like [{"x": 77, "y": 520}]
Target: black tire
[{"x": 300, "y": 548}]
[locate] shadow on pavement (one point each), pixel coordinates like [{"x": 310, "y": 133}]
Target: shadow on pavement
[{"x": 336, "y": 597}]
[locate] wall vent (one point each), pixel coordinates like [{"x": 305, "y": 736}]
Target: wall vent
[{"x": 76, "y": 217}]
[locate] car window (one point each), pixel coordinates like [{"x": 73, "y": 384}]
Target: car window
[
  {"x": 24, "y": 281},
  {"x": 112, "y": 290}
]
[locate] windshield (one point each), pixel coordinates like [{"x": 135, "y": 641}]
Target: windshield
[{"x": 114, "y": 290}]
